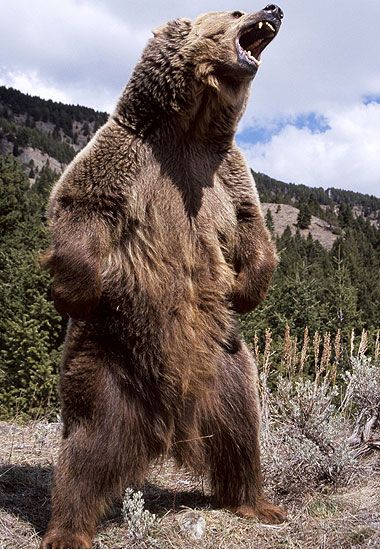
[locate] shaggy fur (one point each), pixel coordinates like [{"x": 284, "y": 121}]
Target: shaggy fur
[{"x": 158, "y": 241}]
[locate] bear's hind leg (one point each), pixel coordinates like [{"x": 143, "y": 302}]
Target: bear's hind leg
[
  {"x": 103, "y": 447},
  {"x": 88, "y": 475},
  {"x": 233, "y": 420}
]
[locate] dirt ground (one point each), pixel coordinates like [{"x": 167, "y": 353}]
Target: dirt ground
[{"x": 345, "y": 518}]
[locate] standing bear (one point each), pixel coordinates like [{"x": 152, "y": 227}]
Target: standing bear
[{"x": 158, "y": 242}]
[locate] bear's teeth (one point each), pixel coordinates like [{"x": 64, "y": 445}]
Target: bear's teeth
[
  {"x": 253, "y": 58},
  {"x": 260, "y": 24},
  {"x": 270, "y": 26}
]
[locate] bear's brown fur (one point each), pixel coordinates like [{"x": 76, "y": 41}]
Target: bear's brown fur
[{"x": 158, "y": 241}]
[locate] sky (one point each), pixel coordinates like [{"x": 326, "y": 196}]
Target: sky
[{"x": 314, "y": 110}]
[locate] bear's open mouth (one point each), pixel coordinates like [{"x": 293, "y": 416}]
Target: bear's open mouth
[{"x": 253, "y": 40}]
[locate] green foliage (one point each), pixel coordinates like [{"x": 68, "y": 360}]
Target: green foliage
[
  {"x": 22, "y": 136},
  {"x": 342, "y": 297},
  {"x": 269, "y": 220},
  {"x": 321, "y": 289},
  {"x": 30, "y": 328},
  {"x": 304, "y": 216}
]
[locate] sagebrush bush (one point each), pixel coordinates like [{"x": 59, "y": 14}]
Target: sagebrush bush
[
  {"x": 361, "y": 404},
  {"x": 305, "y": 436},
  {"x": 139, "y": 521},
  {"x": 363, "y": 386}
]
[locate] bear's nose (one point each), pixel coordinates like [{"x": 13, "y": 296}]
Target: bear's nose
[{"x": 275, "y": 10}]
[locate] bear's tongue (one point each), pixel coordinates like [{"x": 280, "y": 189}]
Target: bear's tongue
[{"x": 254, "y": 40}]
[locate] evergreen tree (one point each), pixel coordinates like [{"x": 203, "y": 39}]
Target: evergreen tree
[
  {"x": 304, "y": 216},
  {"x": 30, "y": 329},
  {"x": 269, "y": 221},
  {"x": 341, "y": 298}
]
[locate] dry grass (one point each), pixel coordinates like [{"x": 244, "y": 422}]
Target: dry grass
[
  {"x": 318, "y": 518},
  {"x": 320, "y": 442},
  {"x": 320, "y": 353}
]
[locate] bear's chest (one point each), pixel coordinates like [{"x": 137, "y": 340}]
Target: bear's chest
[
  {"x": 205, "y": 199},
  {"x": 217, "y": 212}
]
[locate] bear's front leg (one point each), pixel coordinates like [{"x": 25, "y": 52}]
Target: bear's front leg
[{"x": 255, "y": 258}]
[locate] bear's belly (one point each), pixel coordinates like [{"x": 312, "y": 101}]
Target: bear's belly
[{"x": 168, "y": 297}]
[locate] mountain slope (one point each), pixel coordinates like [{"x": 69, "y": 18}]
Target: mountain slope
[{"x": 41, "y": 132}]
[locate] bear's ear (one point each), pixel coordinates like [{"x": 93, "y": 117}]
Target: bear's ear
[
  {"x": 181, "y": 25},
  {"x": 159, "y": 30}
]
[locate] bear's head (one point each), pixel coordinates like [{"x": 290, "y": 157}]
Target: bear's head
[
  {"x": 229, "y": 44},
  {"x": 217, "y": 52}
]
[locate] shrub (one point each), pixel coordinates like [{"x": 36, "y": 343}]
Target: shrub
[
  {"x": 139, "y": 521},
  {"x": 304, "y": 438},
  {"x": 307, "y": 424},
  {"x": 361, "y": 403}
]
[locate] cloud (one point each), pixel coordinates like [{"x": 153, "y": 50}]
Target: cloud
[
  {"x": 324, "y": 61},
  {"x": 31, "y": 81},
  {"x": 346, "y": 155},
  {"x": 325, "y": 57},
  {"x": 80, "y": 49},
  {"x": 325, "y": 54}
]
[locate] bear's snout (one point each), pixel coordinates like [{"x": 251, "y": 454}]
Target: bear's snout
[{"x": 274, "y": 10}]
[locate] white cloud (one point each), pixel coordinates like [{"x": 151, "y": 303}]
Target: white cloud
[
  {"x": 347, "y": 155},
  {"x": 325, "y": 60},
  {"x": 77, "y": 47},
  {"x": 32, "y": 83},
  {"x": 326, "y": 53}
]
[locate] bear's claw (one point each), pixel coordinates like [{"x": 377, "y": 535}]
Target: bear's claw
[
  {"x": 264, "y": 511},
  {"x": 64, "y": 539}
]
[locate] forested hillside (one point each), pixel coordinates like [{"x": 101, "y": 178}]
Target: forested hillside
[
  {"x": 272, "y": 190},
  {"x": 321, "y": 288},
  {"x": 39, "y": 131}
]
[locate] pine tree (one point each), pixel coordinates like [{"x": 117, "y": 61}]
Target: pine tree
[
  {"x": 341, "y": 298},
  {"x": 30, "y": 329},
  {"x": 304, "y": 216},
  {"x": 269, "y": 221}
]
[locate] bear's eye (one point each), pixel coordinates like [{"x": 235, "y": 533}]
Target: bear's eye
[{"x": 237, "y": 14}]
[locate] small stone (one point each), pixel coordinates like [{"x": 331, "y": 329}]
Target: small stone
[{"x": 192, "y": 524}]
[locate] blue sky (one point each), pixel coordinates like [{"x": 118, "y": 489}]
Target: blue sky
[
  {"x": 257, "y": 133},
  {"x": 314, "y": 111}
]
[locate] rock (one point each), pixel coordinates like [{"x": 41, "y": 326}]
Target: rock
[{"x": 192, "y": 524}]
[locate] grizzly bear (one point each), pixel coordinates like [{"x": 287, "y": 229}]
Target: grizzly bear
[{"x": 158, "y": 242}]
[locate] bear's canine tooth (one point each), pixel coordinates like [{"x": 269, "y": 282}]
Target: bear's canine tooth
[
  {"x": 250, "y": 56},
  {"x": 260, "y": 24},
  {"x": 270, "y": 26}
]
